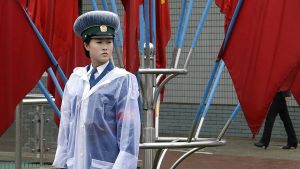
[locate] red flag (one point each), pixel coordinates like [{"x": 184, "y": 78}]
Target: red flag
[
  {"x": 57, "y": 30},
  {"x": 37, "y": 10},
  {"x": 66, "y": 47},
  {"x": 23, "y": 3},
  {"x": 227, "y": 7},
  {"x": 23, "y": 60},
  {"x": 131, "y": 29},
  {"x": 163, "y": 31},
  {"x": 163, "y": 34},
  {"x": 262, "y": 51}
]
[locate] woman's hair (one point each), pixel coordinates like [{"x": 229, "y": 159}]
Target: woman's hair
[{"x": 87, "y": 41}]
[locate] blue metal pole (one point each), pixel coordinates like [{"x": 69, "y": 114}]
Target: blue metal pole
[
  {"x": 47, "y": 49},
  {"x": 235, "y": 112},
  {"x": 177, "y": 51},
  {"x": 231, "y": 118},
  {"x": 232, "y": 22},
  {"x": 199, "y": 30},
  {"x": 186, "y": 21},
  {"x": 210, "y": 98},
  {"x": 147, "y": 23},
  {"x": 105, "y": 6},
  {"x": 115, "y": 10},
  {"x": 94, "y": 4},
  {"x": 142, "y": 29},
  {"x": 114, "y": 6},
  {"x": 179, "y": 26},
  {"x": 204, "y": 97},
  {"x": 153, "y": 12},
  {"x": 228, "y": 33},
  {"x": 201, "y": 24},
  {"x": 48, "y": 97},
  {"x": 55, "y": 81}
]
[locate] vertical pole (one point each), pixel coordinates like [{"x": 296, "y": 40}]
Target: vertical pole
[
  {"x": 148, "y": 128},
  {"x": 18, "y": 155},
  {"x": 41, "y": 141},
  {"x": 149, "y": 132}
]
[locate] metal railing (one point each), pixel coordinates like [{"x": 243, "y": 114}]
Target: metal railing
[{"x": 39, "y": 101}]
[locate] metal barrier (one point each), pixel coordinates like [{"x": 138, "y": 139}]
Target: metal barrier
[
  {"x": 151, "y": 139},
  {"x": 149, "y": 86},
  {"x": 39, "y": 120}
]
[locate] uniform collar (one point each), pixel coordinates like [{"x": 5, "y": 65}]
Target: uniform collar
[{"x": 99, "y": 68}]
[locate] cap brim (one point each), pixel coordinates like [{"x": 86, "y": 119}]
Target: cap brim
[{"x": 102, "y": 37}]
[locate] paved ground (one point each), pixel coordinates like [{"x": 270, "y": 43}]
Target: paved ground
[{"x": 238, "y": 153}]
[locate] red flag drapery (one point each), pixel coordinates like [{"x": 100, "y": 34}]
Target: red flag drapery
[
  {"x": 57, "y": 30},
  {"x": 131, "y": 29},
  {"x": 64, "y": 44},
  {"x": 163, "y": 31},
  {"x": 38, "y": 11},
  {"x": 227, "y": 7},
  {"x": 163, "y": 34},
  {"x": 261, "y": 53},
  {"x": 22, "y": 2},
  {"x": 23, "y": 59}
]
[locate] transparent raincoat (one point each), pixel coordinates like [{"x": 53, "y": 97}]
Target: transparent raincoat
[{"x": 99, "y": 127}]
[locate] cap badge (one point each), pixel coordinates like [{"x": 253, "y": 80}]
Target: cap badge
[{"x": 103, "y": 28}]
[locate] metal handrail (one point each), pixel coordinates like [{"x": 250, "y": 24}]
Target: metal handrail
[
  {"x": 182, "y": 139},
  {"x": 163, "y": 71},
  {"x": 184, "y": 156},
  {"x": 183, "y": 144},
  {"x": 160, "y": 156},
  {"x": 35, "y": 99},
  {"x": 222, "y": 133},
  {"x": 160, "y": 87}
]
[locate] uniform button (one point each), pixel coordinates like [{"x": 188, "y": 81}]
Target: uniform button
[
  {"x": 82, "y": 126},
  {"x": 81, "y": 154}
]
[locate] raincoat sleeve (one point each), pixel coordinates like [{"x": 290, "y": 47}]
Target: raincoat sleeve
[
  {"x": 62, "y": 140},
  {"x": 128, "y": 125}
]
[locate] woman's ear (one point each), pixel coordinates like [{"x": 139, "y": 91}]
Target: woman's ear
[{"x": 86, "y": 46}]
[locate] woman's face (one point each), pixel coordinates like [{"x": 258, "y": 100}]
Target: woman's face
[{"x": 100, "y": 50}]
